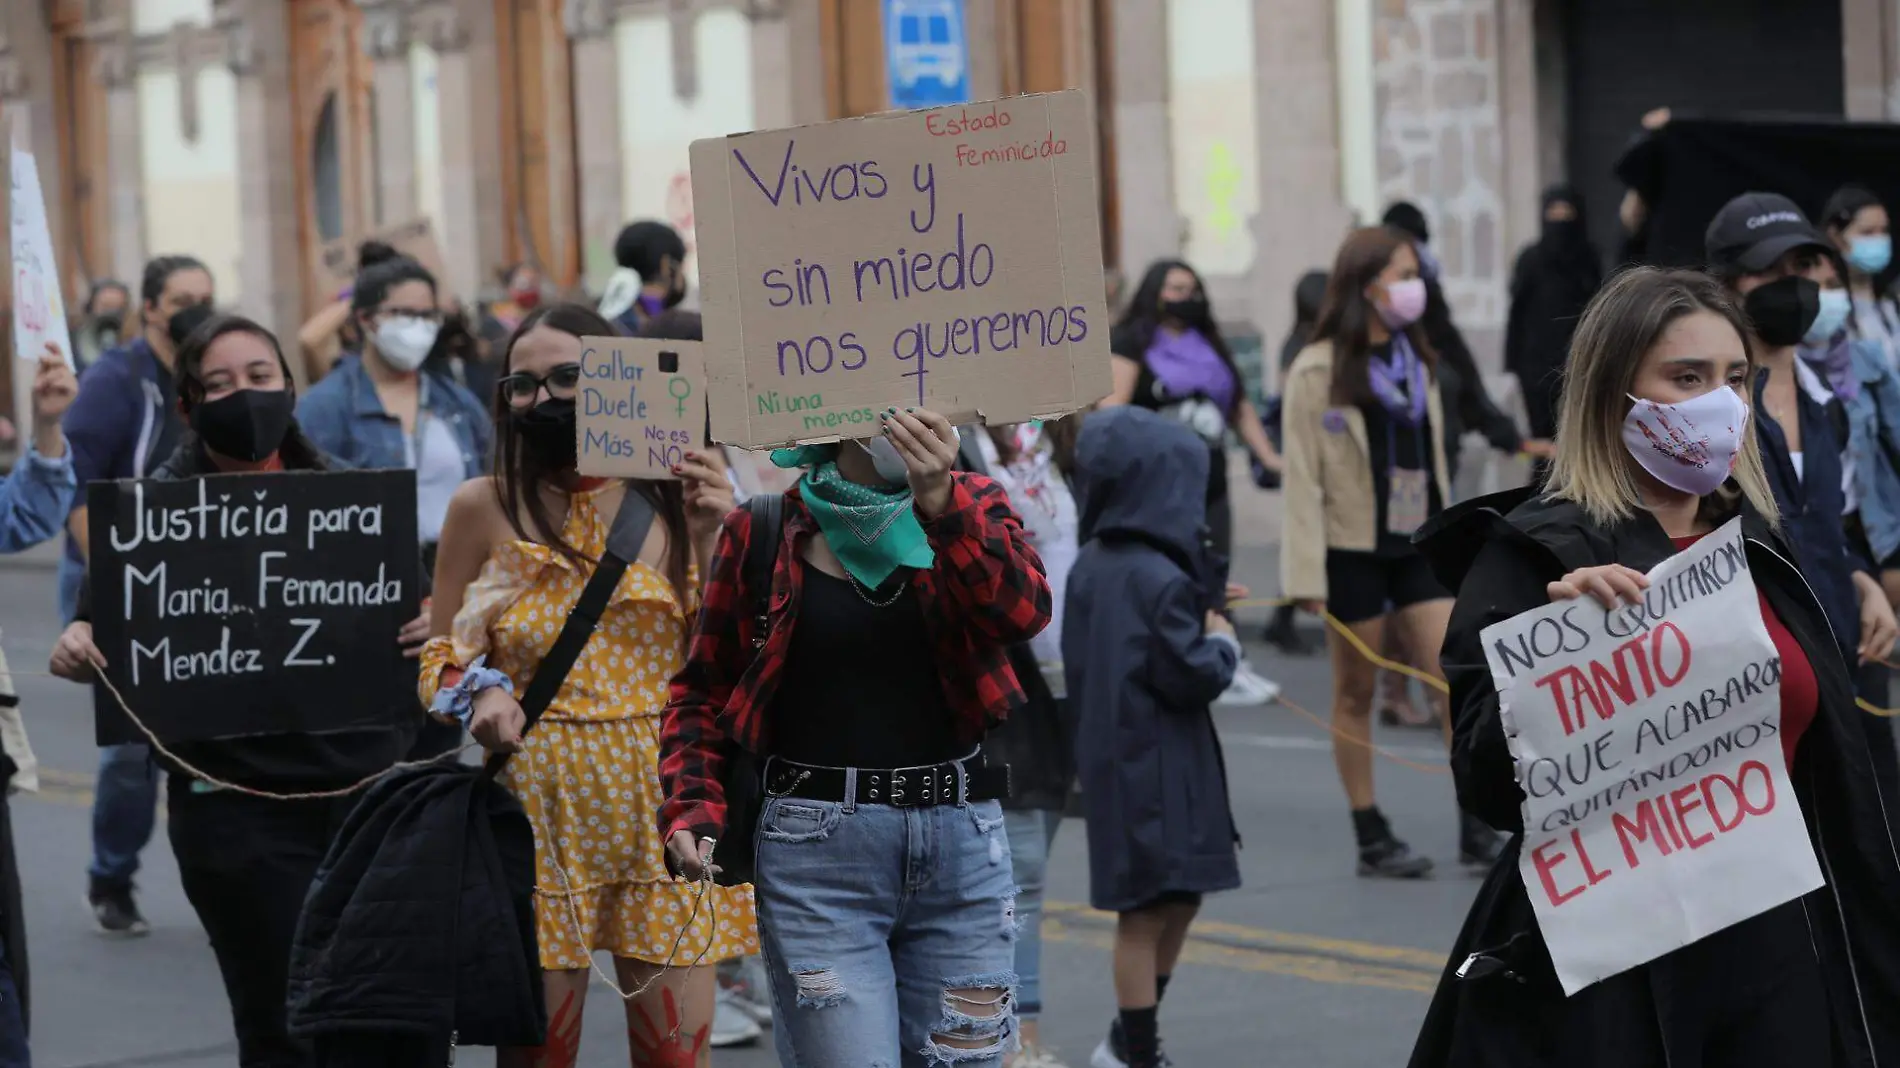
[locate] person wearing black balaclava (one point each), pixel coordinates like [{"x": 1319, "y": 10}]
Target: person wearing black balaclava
[
  {"x": 1468, "y": 404},
  {"x": 1553, "y": 281},
  {"x": 123, "y": 425}
]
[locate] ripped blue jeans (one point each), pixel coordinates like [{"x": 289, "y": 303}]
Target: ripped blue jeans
[{"x": 889, "y": 934}]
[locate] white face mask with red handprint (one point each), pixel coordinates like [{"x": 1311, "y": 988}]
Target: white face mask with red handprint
[{"x": 1689, "y": 446}]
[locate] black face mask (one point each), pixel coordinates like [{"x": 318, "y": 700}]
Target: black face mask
[
  {"x": 1192, "y": 311},
  {"x": 1782, "y": 310},
  {"x": 547, "y": 433},
  {"x": 110, "y": 322},
  {"x": 1563, "y": 233},
  {"x": 247, "y": 425},
  {"x": 185, "y": 320}
]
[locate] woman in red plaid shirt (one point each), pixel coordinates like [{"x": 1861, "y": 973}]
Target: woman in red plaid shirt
[{"x": 884, "y": 888}]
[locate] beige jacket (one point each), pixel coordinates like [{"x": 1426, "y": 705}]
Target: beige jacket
[{"x": 1327, "y": 487}]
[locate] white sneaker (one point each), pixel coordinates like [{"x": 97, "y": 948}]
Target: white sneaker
[
  {"x": 749, "y": 991},
  {"x": 1105, "y": 1057},
  {"x": 731, "y": 1024},
  {"x": 1248, "y": 689}
]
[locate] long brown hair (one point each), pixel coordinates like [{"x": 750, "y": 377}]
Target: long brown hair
[
  {"x": 1345, "y": 316},
  {"x": 519, "y": 472},
  {"x": 1620, "y": 326}
]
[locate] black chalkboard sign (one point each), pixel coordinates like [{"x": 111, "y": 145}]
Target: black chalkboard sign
[{"x": 236, "y": 605}]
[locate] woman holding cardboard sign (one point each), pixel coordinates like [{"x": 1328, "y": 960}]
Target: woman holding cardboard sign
[
  {"x": 1654, "y": 451},
  {"x": 518, "y": 548},
  {"x": 855, "y": 643}
]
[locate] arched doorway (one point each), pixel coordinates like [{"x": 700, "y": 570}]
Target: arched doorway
[{"x": 331, "y": 94}]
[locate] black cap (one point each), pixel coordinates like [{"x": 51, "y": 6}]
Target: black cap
[{"x": 1756, "y": 229}]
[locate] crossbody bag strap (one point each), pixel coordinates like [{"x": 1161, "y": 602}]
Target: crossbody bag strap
[
  {"x": 624, "y": 540},
  {"x": 761, "y": 556}
]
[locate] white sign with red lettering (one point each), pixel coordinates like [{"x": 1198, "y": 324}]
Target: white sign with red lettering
[
  {"x": 1657, "y": 804},
  {"x": 39, "y": 315}
]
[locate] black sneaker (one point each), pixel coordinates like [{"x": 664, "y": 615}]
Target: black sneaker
[
  {"x": 114, "y": 910},
  {"x": 1284, "y": 634},
  {"x": 1478, "y": 845},
  {"x": 1389, "y": 858}
]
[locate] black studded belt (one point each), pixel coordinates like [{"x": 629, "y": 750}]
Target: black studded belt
[{"x": 935, "y": 784}]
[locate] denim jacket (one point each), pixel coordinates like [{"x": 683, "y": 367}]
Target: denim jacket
[
  {"x": 1873, "y": 424},
  {"x": 343, "y": 416},
  {"x": 35, "y": 499}
]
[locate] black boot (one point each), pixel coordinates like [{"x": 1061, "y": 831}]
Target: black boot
[
  {"x": 1478, "y": 845},
  {"x": 1283, "y": 633},
  {"x": 1381, "y": 854}
]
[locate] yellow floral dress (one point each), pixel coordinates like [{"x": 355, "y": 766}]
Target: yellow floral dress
[{"x": 588, "y": 773}]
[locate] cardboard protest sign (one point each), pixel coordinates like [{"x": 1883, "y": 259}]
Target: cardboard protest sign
[
  {"x": 254, "y": 604},
  {"x": 1658, "y": 808},
  {"x": 414, "y": 239},
  {"x": 39, "y": 312},
  {"x": 948, "y": 259},
  {"x": 641, "y": 405}
]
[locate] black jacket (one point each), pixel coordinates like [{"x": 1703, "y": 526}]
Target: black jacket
[
  {"x": 419, "y": 925},
  {"x": 1468, "y": 405},
  {"x": 12, "y": 905},
  {"x": 1498, "y": 552}
]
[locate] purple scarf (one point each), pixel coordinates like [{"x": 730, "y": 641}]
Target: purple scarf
[
  {"x": 1835, "y": 361},
  {"x": 1399, "y": 382},
  {"x": 1186, "y": 365}
]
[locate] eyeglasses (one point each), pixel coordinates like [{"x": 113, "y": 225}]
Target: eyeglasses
[
  {"x": 431, "y": 315},
  {"x": 520, "y": 389}
]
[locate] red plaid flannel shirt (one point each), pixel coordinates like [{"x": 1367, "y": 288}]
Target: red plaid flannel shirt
[{"x": 985, "y": 592}]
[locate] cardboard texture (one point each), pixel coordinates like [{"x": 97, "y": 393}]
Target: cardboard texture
[
  {"x": 948, "y": 259},
  {"x": 414, "y": 239},
  {"x": 641, "y": 405},
  {"x": 39, "y": 312}
]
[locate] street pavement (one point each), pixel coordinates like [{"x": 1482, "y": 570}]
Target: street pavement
[{"x": 1305, "y": 965}]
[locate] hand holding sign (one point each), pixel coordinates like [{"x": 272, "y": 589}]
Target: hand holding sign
[
  {"x": 641, "y": 406},
  {"x": 928, "y": 444},
  {"x": 54, "y": 387},
  {"x": 709, "y": 497},
  {"x": 1606, "y": 583}
]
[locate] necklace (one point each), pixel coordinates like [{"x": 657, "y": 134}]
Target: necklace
[{"x": 865, "y": 592}]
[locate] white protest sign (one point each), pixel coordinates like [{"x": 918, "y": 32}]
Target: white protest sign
[
  {"x": 641, "y": 404},
  {"x": 948, "y": 259},
  {"x": 39, "y": 314},
  {"x": 1658, "y": 808}
]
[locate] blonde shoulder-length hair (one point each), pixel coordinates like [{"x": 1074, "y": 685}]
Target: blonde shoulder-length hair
[{"x": 1623, "y": 323}]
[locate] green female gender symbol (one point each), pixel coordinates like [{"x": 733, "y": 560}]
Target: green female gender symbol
[{"x": 673, "y": 389}]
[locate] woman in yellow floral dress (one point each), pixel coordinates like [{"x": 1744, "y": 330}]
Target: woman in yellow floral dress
[{"x": 516, "y": 550}]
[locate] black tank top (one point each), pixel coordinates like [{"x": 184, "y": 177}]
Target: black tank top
[{"x": 860, "y": 686}]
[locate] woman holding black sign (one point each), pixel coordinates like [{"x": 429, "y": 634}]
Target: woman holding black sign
[
  {"x": 246, "y": 862},
  {"x": 518, "y": 548},
  {"x": 1654, "y": 451}
]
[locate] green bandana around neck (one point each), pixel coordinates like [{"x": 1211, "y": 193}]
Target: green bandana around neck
[{"x": 873, "y": 531}]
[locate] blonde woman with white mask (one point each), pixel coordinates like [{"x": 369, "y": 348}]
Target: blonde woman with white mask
[{"x": 1655, "y": 449}]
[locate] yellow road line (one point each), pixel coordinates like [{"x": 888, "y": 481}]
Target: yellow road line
[
  {"x": 1271, "y": 941},
  {"x": 1313, "y": 969}
]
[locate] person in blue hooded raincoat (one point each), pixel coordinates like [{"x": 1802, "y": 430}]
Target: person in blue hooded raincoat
[{"x": 1145, "y": 654}]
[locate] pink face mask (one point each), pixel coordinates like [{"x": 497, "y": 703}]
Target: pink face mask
[
  {"x": 1404, "y": 303},
  {"x": 1689, "y": 446}
]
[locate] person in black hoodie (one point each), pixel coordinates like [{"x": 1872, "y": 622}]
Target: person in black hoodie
[
  {"x": 1808, "y": 983},
  {"x": 246, "y": 862},
  {"x": 1553, "y": 281}
]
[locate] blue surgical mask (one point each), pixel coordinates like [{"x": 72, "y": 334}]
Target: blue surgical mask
[
  {"x": 1870, "y": 253},
  {"x": 1835, "y": 306}
]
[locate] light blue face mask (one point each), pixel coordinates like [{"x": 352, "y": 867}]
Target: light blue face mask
[
  {"x": 1870, "y": 253},
  {"x": 1835, "y": 307}
]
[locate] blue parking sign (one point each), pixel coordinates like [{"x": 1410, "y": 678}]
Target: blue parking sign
[{"x": 926, "y": 53}]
